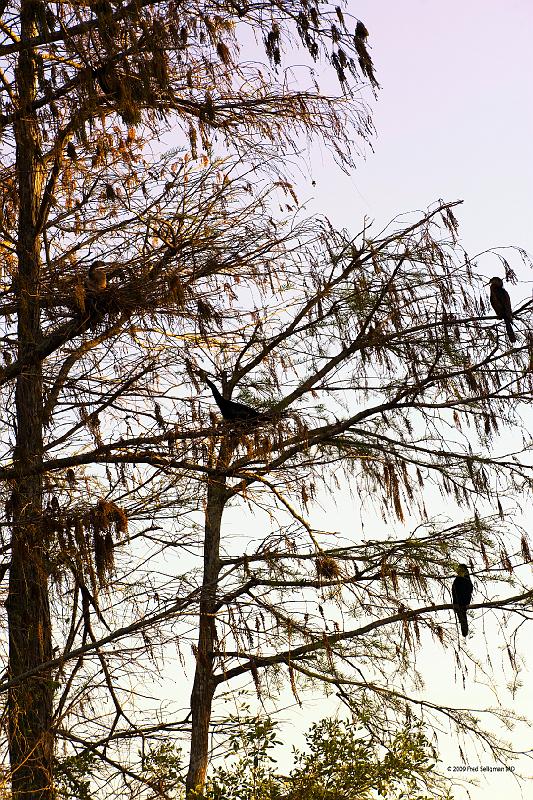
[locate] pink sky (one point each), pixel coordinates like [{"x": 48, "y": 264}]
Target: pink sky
[{"x": 454, "y": 120}]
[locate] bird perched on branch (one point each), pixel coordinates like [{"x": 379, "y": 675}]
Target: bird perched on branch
[
  {"x": 92, "y": 304},
  {"x": 230, "y": 409},
  {"x": 107, "y": 80},
  {"x": 96, "y": 279},
  {"x": 501, "y": 303},
  {"x": 462, "y": 589}
]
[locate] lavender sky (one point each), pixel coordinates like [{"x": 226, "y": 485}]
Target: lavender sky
[{"x": 454, "y": 120}]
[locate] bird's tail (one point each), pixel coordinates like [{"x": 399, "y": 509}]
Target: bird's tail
[
  {"x": 510, "y": 331},
  {"x": 461, "y": 616}
]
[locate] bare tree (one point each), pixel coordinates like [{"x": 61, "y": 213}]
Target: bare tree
[
  {"x": 85, "y": 89},
  {"x": 374, "y": 362},
  {"x": 409, "y": 379},
  {"x": 371, "y": 357}
]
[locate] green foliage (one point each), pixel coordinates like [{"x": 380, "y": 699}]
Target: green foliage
[
  {"x": 163, "y": 767},
  {"x": 251, "y": 775},
  {"x": 339, "y": 763},
  {"x": 162, "y": 772},
  {"x": 73, "y": 776}
]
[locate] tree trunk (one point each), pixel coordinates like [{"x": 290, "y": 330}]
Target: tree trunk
[
  {"x": 30, "y": 701},
  {"x": 204, "y": 685}
]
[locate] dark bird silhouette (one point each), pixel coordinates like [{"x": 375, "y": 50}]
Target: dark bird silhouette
[
  {"x": 94, "y": 306},
  {"x": 96, "y": 279},
  {"x": 106, "y": 80},
  {"x": 230, "y": 409},
  {"x": 71, "y": 152},
  {"x": 501, "y": 303},
  {"x": 462, "y": 589}
]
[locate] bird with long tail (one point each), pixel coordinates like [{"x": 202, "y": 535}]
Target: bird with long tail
[
  {"x": 501, "y": 303},
  {"x": 462, "y": 589},
  {"x": 231, "y": 410}
]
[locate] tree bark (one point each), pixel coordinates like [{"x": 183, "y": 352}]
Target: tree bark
[
  {"x": 30, "y": 702},
  {"x": 204, "y": 685}
]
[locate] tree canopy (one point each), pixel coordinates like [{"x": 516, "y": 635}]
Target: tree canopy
[
  {"x": 337, "y": 762},
  {"x": 130, "y": 278}
]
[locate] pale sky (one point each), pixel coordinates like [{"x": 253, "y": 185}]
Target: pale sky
[{"x": 454, "y": 120}]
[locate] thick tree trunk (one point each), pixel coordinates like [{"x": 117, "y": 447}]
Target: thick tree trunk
[
  {"x": 30, "y": 701},
  {"x": 204, "y": 685}
]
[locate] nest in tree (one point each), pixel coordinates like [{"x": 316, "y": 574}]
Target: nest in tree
[
  {"x": 108, "y": 304},
  {"x": 117, "y": 300},
  {"x": 126, "y": 294},
  {"x": 326, "y": 567}
]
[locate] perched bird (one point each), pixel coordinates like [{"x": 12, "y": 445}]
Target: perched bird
[
  {"x": 94, "y": 306},
  {"x": 501, "y": 303},
  {"x": 230, "y": 409},
  {"x": 106, "y": 80},
  {"x": 71, "y": 152},
  {"x": 462, "y": 589},
  {"x": 96, "y": 279}
]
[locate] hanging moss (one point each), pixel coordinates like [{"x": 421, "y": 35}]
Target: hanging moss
[{"x": 107, "y": 518}]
